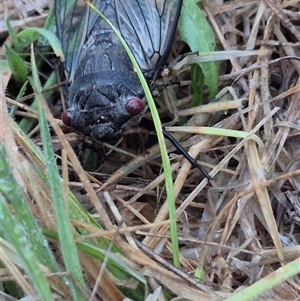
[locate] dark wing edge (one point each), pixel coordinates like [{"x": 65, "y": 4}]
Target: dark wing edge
[{"x": 148, "y": 27}]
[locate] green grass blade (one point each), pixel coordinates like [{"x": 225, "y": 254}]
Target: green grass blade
[
  {"x": 21, "y": 93},
  {"x": 29, "y": 35},
  {"x": 14, "y": 232},
  {"x": 16, "y": 64},
  {"x": 66, "y": 239},
  {"x": 161, "y": 141},
  {"x": 13, "y": 35},
  {"x": 277, "y": 277},
  {"x": 26, "y": 124},
  {"x": 23, "y": 214}
]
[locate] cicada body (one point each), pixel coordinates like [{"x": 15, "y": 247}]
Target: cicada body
[{"x": 105, "y": 92}]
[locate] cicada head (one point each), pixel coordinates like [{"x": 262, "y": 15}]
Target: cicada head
[{"x": 101, "y": 104}]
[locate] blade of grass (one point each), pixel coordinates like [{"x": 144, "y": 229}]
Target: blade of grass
[
  {"x": 24, "y": 215},
  {"x": 13, "y": 35},
  {"x": 21, "y": 93},
  {"x": 161, "y": 142},
  {"x": 203, "y": 130},
  {"x": 66, "y": 239},
  {"x": 277, "y": 277},
  {"x": 116, "y": 264},
  {"x": 17, "y": 65},
  {"x": 29, "y": 35},
  {"x": 14, "y": 232},
  {"x": 26, "y": 124}
]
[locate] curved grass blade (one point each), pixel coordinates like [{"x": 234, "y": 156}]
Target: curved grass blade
[
  {"x": 66, "y": 239},
  {"x": 161, "y": 141}
]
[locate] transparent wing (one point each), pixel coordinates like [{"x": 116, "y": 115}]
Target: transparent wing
[
  {"x": 74, "y": 22},
  {"x": 147, "y": 26}
]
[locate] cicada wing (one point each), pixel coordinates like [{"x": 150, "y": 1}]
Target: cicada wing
[
  {"x": 74, "y": 22},
  {"x": 148, "y": 27}
]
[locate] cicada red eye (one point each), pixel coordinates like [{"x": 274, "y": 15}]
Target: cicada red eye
[
  {"x": 66, "y": 118},
  {"x": 135, "y": 106}
]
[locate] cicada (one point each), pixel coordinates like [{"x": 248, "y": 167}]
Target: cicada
[{"x": 104, "y": 91}]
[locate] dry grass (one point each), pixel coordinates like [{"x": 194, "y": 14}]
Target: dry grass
[{"x": 235, "y": 230}]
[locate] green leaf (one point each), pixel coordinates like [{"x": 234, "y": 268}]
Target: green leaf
[
  {"x": 13, "y": 35},
  {"x": 29, "y": 35},
  {"x": 17, "y": 65},
  {"x": 197, "y": 85},
  {"x": 197, "y": 33}
]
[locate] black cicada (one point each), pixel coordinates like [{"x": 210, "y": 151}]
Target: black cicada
[{"x": 105, "y": 92}]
